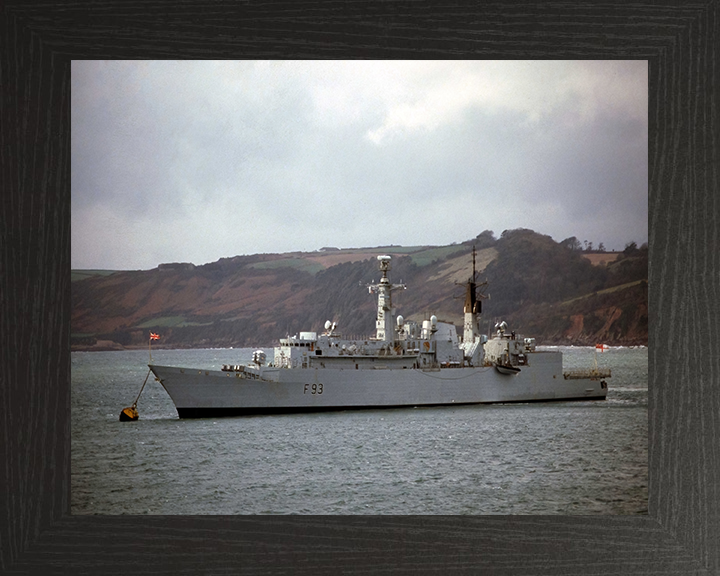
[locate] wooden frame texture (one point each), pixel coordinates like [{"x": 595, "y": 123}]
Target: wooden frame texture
[{"x": 681, "y": 534}]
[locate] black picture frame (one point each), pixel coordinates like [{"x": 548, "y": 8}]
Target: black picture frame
[{"x": 680, "y": 534}]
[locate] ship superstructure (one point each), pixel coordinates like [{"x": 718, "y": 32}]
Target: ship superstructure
[{"x": 405, "y": 363}]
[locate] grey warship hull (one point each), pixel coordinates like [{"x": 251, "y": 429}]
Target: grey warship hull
[{"x": 207, "y": 393}]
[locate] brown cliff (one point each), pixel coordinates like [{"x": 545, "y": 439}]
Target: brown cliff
[{"x": 542, "y": 288}]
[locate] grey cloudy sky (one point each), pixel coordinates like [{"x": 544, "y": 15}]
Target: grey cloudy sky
[{"x": 195, "y": 161}]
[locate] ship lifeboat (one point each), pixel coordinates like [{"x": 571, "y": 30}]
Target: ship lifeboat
[{"x": 508, "y": 370}]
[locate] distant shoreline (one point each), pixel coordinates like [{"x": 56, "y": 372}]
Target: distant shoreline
[{"x": 109, "y": 346}]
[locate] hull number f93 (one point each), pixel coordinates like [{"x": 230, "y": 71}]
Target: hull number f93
[{"x": 313, "y": 389}]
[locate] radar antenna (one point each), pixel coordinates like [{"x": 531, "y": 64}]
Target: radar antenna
[
  {"x": 473, "y": 276},
  {"x": 478, "y": 290}
]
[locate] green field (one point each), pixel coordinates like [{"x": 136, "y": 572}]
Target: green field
[
  {"x": 401, "y": 249},
  {"x": 426, "y": 257}
]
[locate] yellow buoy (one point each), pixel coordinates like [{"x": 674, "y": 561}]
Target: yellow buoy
[{"x": 128, "y": 414}]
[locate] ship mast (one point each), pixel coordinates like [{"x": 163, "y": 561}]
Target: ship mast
[
  {"x": 472, "y": 307},
  {"x": 385, "y": 321}
]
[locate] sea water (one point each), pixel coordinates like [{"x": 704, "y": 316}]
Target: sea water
[{"x": 580, "y": 457}]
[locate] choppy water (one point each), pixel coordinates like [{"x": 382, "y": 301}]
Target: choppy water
[{"x": 549, "y": 458}]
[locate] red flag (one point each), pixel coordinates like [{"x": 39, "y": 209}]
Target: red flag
[
  {"x": 154, "y": 336},
  {"x": 600, "y": 347}
]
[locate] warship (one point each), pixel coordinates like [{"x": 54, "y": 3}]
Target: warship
[{"x": 405, "y": 364}]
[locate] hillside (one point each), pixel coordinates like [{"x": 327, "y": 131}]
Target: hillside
[{"x": 543, "y": 288}]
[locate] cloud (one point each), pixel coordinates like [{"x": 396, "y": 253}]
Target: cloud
[{"x": 193, "y": 161}]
